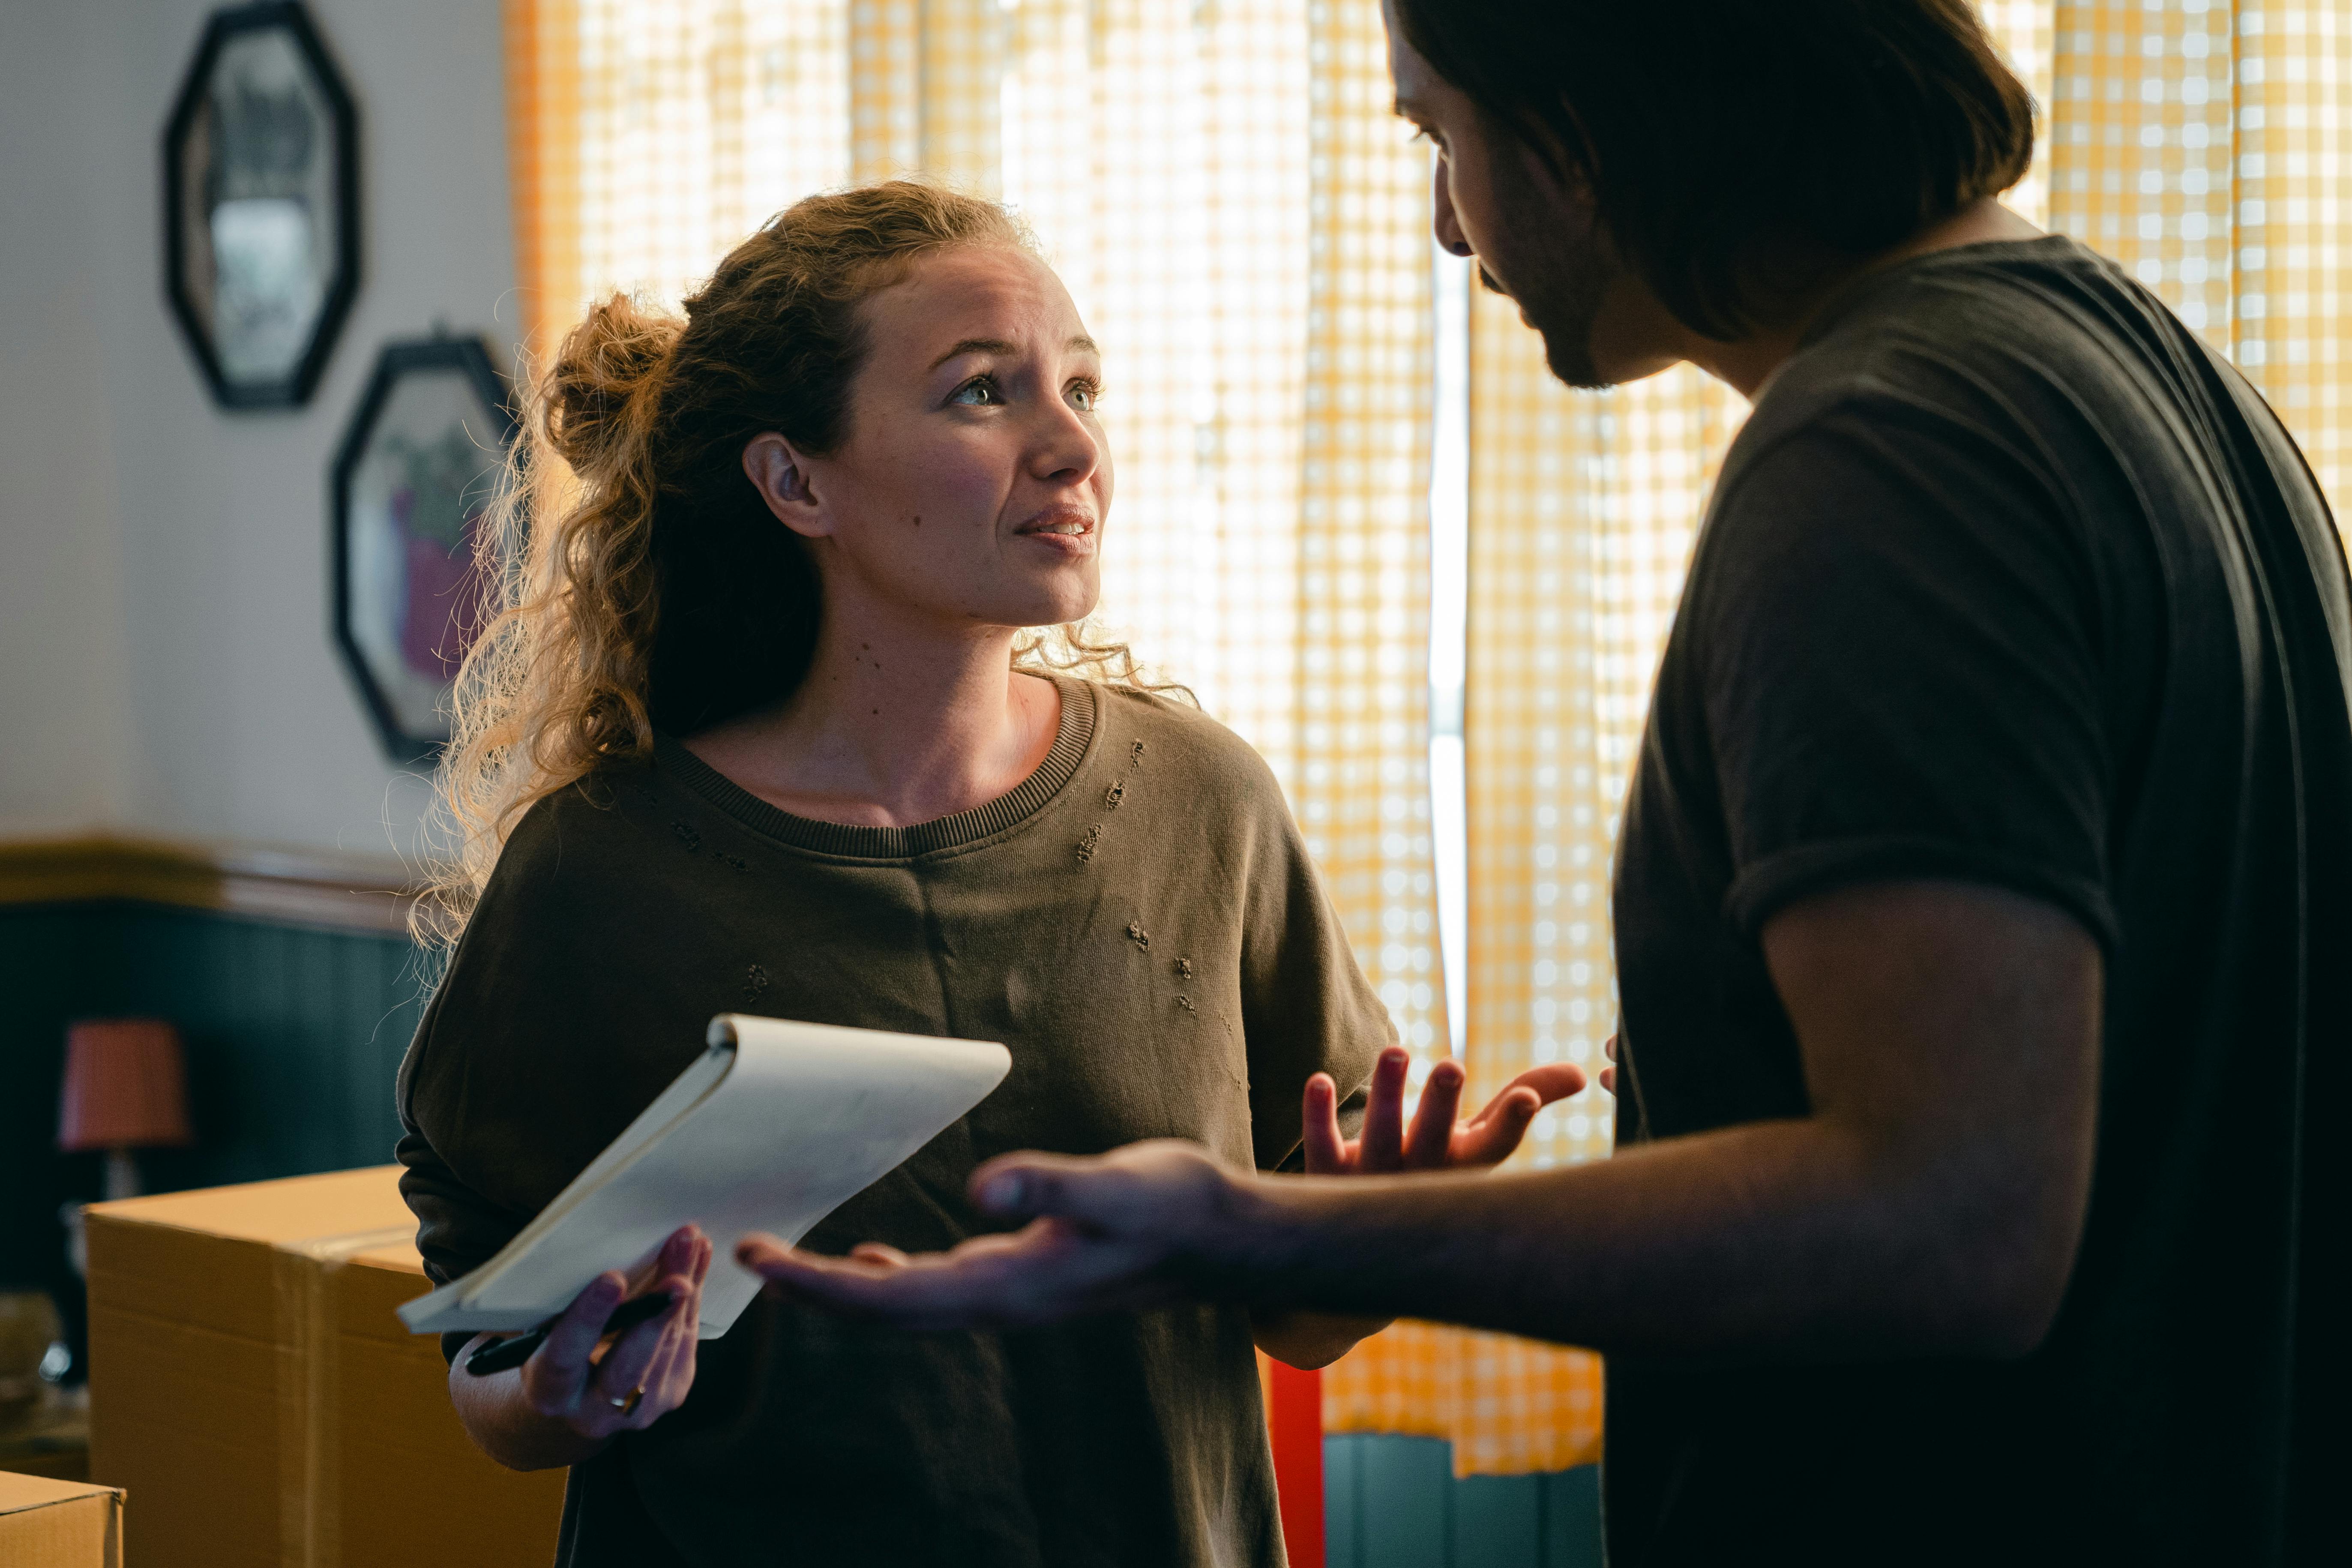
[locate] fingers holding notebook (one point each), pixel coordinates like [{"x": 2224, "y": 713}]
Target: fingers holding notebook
[{"x": 645, "y": 1371}]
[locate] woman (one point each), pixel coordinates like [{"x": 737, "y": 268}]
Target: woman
[{"x": 762, "y": 732}]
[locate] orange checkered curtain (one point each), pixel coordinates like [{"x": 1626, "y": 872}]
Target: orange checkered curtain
[
  {"x": 2208, "y": 146},
  {"x": 1245, "y": 227}
]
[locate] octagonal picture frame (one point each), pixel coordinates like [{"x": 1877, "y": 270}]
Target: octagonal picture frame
[
  {"x": 261, "y": 211},
  {"x": 411, "y": 491}
]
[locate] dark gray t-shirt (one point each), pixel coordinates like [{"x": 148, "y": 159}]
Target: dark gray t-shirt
[
  {"x": 2009, "y": 580},
  {"x": 1139, "y": 924}
]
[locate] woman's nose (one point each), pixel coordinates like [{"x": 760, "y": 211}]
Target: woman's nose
[{"x": 1067, "y": 449}]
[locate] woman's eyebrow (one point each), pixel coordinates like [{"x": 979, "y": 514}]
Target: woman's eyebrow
[
  {"x": 976, "y": 346},
  {"x": 1079, "y": 344}
]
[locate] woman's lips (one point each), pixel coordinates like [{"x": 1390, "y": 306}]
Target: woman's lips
[{"x": 1067, "y": 529}]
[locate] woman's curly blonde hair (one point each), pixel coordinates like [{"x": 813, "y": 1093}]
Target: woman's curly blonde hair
[{"x": 636, "y": 580}]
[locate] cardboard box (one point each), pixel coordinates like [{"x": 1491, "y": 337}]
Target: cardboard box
[
  {"x": 251, "y": 1389},
  {"x": 59, "y": 1524}
]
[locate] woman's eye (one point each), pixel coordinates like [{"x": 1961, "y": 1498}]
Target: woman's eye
[
  {"x": 1083, "y": 397},
  {"x": 978, "y": 393}
]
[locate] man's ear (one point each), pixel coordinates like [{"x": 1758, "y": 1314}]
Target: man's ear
[{"x": 780, "y": 474}]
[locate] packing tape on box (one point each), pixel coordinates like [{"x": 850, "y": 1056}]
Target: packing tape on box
[{"x": 309, "y": 1529}]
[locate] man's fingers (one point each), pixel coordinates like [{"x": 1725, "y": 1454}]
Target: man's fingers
[
  {"x": 1609, "y": 1079},
  {"x": 909, "y": 1295},
  {"x": 1326, "y": 1149},
  {"x": 1028, "y": 1186},
  {"x": 1381, "y": 1147},
  {"x": 765, "y": 1255},
  {"x": 1490, "y": 1140},
  {"x": 772, "y": 1259},
  {"x": 1102, "y": 1228},
  {"x": 1548, "y": 1084},
  {"x": 1432, "y": 1135},
  {"x": 1043, "y": 1273}
]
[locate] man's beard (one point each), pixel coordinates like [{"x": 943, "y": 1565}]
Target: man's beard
[
  {"x": 1571, "y": 306},
  {"x": 1561, "y": 288},
  {"x": 1562, "y": 301}
]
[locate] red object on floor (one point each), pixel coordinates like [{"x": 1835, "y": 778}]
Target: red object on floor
[{"x": 1294, "y": 1415}]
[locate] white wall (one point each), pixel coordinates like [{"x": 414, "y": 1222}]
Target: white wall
[
  {"x": 165, "y": 663},
  {"x": 65, "y": 729}
]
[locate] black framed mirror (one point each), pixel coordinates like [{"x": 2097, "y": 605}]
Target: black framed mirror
[
  {"x": 411, "y": 493},
  {"x": 261, "y": 206}
]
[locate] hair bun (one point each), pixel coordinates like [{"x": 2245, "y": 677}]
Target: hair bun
[{"x": 594, "y": 394}]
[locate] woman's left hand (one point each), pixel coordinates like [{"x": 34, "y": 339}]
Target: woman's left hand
[{"x": 1436, "y": 1141}]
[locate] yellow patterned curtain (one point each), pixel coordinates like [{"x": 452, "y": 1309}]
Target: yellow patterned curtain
[
  {"x": 1246, "y": 229},
  {"x": 1242, "y": 223},
  {"x": 2208, "y": 146}
]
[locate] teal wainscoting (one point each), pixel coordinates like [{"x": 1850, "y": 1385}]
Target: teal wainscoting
[
  {"x": 293, "y": 1035},
  {"x": 1394, "y": 1502}
]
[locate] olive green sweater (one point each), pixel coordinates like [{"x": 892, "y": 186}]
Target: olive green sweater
[{"x": 1137, "y": 921}]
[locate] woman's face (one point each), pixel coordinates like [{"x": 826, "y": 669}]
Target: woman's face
[{"x": 973, "y": 482}]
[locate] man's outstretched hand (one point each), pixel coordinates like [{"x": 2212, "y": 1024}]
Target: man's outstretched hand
[
  {"x": 1436, "y": 1141},
  {"x": 1143, "y": 1225},
  {"x": 1117, "y": 1233}
]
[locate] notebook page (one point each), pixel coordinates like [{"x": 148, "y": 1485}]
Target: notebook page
[{"x": 809, "y": 1116}]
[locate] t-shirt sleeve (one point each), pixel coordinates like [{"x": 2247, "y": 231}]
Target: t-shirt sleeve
[
  {"x": 457, "y": 1230},
  {"x": 1897, "y": 633},
  {"x": 1305, "y": 1004}
]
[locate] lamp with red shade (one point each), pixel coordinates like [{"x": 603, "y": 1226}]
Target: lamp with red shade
[{"x": 125, "y": 1089}]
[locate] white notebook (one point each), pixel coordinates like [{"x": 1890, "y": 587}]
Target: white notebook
[{"x": 772, "y": 1128}]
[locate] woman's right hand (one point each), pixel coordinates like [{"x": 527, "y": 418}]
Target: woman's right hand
[
  {"x": 567, "y": 1401},
  {"x": 644, "y": 1374}
]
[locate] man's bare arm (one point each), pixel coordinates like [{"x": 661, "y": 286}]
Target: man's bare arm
[{"x": 1931, "y": 1203}]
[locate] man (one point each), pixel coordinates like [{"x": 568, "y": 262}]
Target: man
[{"x": 1985, "y": 889}]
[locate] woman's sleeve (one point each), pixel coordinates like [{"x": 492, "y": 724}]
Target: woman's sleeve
[
  {"x": 458, "y": 1229},
  {"x": 1305, "y": 1006},
  {"x": 510, "y": 1087}
]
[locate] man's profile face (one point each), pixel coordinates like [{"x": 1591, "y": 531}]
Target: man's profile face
[{"x": 1534, "y": 235}]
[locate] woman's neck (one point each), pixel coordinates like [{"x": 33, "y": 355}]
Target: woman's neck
[{"x": 901, "y": 721}]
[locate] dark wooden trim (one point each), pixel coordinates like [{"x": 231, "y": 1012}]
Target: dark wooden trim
[{"x": 292, "y": 886}]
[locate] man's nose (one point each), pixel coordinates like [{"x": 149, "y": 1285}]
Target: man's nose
[{"x": 1442, "y": 220}]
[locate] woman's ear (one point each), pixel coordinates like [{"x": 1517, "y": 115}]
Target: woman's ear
[{"x": 781, "y": 475}]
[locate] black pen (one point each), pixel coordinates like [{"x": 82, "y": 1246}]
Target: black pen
[{"x": 500, "y": 1355}]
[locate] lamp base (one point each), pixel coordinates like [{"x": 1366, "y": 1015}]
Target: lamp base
[{"x": 121, "y": 1175}]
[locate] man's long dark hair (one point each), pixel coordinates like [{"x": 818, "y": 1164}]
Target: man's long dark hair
[{"x": 1709, "y": 130}]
